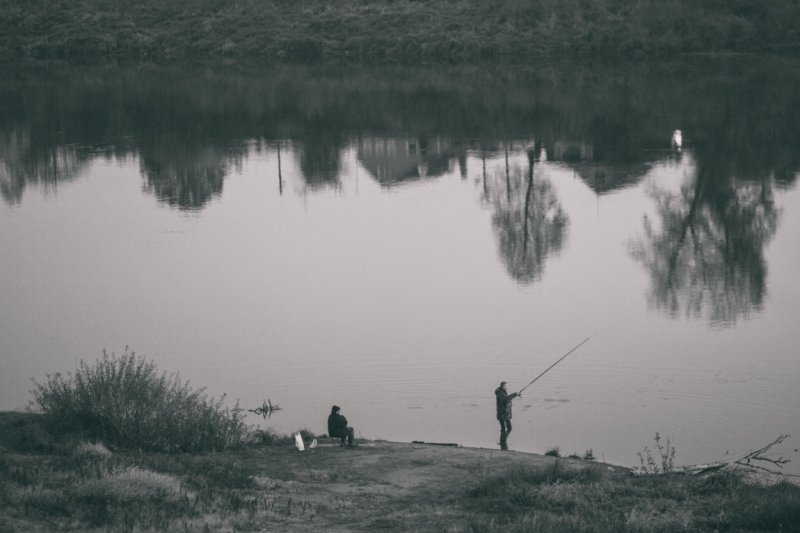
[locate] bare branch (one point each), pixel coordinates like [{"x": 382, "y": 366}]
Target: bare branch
[{"x": 758, "y": 455}]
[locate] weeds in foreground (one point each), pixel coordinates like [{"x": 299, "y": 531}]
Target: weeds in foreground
[
  {"x": 124, "y": 401},
  {"x": 142, "y": 492},
  {"x": 272, "y": 487},
  {"x": 556, "y": 500},
  {"x": 666, "y": 458},
  {"x": 517, "y": 489}
]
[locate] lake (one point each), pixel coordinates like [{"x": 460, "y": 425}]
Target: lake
[{"x": 399, "y": 241}]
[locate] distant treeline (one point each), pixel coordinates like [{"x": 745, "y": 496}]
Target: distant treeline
[{"x": 391, "y": 31}]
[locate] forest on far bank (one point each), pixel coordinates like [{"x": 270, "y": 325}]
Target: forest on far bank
[{"x": 391, "y": 31}]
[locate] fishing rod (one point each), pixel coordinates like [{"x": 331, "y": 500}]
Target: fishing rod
[{"x": 562, "y": 358}]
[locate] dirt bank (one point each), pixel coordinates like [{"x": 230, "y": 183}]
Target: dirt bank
[
  {"x": 376, "y": 486},
  {"x": 385, "y": 485}
]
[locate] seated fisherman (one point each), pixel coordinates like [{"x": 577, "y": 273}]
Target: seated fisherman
[{"x": 337, "y": 426}]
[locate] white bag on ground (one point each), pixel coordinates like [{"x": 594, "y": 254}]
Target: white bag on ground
[{"x": 298, "y": 442}]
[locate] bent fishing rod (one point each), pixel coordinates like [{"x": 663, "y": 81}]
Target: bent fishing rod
[{"x": 562, "y": 358}]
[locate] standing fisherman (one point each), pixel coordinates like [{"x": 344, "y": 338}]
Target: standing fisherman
[{"x": 504, "y": 412}]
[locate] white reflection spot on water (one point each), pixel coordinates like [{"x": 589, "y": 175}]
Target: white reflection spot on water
[{"x": 677, "y": 139}]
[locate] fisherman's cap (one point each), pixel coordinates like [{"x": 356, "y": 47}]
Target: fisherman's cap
[{"x": 334, "y": 409}]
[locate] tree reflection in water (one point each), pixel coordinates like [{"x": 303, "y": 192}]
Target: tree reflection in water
[
  {"x": 187, "y": 183},
  {"x": 320, "y": 158},
  {"x": 528, "y": 220},
  {"x": 23, "y": 163},
  {"x": 705, "y": 257}
]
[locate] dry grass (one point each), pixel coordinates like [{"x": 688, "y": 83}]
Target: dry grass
[
  {"x": 133, "y": 484},
  {"x": 563, "y": 500}
]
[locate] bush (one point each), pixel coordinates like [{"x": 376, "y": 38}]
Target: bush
[{"x": 124, "y": 401}]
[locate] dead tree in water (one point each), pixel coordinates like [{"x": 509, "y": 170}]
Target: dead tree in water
[{"x": 266, "y": 409}]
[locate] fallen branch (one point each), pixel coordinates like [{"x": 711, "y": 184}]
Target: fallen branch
[
  {"x": 686, "y": 470},
  {"x": 758, "y": 455}
]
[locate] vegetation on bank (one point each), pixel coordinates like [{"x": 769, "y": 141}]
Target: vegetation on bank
[
  {"x": 557, "y": 499},
  {"x": 376, "y": 486},
  {"x": 396, "y": 31},
  {"x": 125, "y": 401}
]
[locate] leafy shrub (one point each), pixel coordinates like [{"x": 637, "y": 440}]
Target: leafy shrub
[{"x": 124, "y": 401}]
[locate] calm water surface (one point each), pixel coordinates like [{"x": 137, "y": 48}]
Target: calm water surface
[{"x": 398, "y": 242}]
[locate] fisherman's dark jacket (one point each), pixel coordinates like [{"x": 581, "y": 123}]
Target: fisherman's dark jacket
[
  {"x": 336, "y": 422},
  {"x": 504, "y": 403}
]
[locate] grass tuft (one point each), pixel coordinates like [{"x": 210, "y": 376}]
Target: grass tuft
[
  {"x": 554, "y": 451},
  {"x": 518, "y": 488},
  {"x": 131, "y": 485}
]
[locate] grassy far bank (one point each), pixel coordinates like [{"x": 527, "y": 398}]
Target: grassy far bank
[
  {"x": 269, "y": 486},
  {"x": 393, "y": 31}
]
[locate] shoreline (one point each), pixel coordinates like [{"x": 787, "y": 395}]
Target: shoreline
[{"x": 377, "y": 485}]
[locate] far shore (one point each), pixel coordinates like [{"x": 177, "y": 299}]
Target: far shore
[{"x": 389, "y": 31}]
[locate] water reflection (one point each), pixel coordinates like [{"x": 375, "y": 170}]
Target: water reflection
[
  {"x": 185, "y": 181},
  {"x": 395, "y": 161},
  {"x": 605, "y": 178},
  {"x": 25, "y": 162},
  {"x": 528, "y": 220},
  {"x": 703, "y": 250},
  {"x": 705, "y": 253},
  {"x": 320, "y": 159}
]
